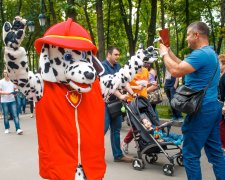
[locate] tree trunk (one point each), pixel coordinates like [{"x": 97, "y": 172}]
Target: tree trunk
[
  {"x": 162, "y": 14},
  {"x": 100, "y": 27},
  {"x": 151, "y": 32},
  {"x": 108, "y": 24},
  {"x": 152, "y": 24},
  {"x": 88, "y": 22},
  {"x": 187, "y": 24},
  {"x": 2, "y": 13},
  {"x": 70, "y": 11},
  {"x": 48, "y": 21},
  {"x": 2, "y": 20},
  {"x": 137, "y": 22},
  {"x": 187, "y": 13},
  {"x": 52, "y": 10},
  {"x": 34, "y": 60},
  {"x": 127, "y": 20},
  {"x": 176, "y": 32},
  {"x": 222, "y": 31},
  {"x": 162, "y": 26},
  {"x": 19, "y": 7},
  {"x": 212, "y": 27}
]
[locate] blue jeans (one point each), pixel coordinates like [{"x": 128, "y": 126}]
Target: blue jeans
[
  {"x": 156, "y": 112},
  {"x": 202, "y": 130},
  {"x": 115, "y": 128},
  {"x": 170, "y": 91},
  {"x": 10, "y": 107},
  {"x": 21, "y": 104}
]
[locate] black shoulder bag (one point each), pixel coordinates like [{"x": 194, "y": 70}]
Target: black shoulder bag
[
  {"x": 114, "y": 106},
  {"x": 188, "y": 100}
]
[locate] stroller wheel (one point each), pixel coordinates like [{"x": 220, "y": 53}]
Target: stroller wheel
[
  {"x": 180, "y": 160},
  {"x": 168, "y": 169},
  {"x": 152, "y": 158},
  {"x": 138, "y": 164}
]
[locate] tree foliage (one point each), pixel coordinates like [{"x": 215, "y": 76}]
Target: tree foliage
[{"x": 123, "y": 23}]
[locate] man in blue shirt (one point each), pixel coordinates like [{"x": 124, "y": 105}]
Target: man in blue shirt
[
  {"x": 201, "y": 129},
  {"x": 111, "y": 67}
]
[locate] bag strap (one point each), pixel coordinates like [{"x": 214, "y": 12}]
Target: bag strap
[{"x": 207, "y": 86}]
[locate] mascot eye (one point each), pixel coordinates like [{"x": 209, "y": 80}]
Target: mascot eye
[{"x": 68, "y": 57}]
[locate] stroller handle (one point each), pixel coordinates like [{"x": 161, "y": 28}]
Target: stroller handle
[{"x": 166, "y": 124}]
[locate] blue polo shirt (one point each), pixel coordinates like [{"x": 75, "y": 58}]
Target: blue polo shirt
[
  {"x": 205, "y": 62},
  {"x": 109, "y": 69}
]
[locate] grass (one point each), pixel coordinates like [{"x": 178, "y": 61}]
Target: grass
[{"x": 165, "y": 112}]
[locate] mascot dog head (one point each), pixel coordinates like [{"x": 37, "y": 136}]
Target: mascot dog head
[{"x": 67, "y": 56}]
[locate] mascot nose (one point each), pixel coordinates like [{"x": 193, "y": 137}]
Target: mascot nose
[{"x": 89, "y": 75}]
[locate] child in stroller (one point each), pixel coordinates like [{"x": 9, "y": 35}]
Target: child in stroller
[
  {"x": 159, "y": 134},
  {"x": 147, "y": 145}
]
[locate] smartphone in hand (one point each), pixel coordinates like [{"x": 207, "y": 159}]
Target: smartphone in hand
[{"x": 165, "y": 39}]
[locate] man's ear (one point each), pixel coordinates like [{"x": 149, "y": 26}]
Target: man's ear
[{"x": 46, "y": 69}]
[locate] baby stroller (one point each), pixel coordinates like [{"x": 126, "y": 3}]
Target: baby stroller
[{"x": 147, "y": 146}]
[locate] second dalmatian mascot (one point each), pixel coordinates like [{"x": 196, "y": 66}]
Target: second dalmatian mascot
[{"x": 70, "y": 99}]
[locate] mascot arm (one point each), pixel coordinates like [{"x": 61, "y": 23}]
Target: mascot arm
[
  {"x": 118, "y": 81},
  {"x": 16, "y": 59},
  {"x": 36, "y": 86}
]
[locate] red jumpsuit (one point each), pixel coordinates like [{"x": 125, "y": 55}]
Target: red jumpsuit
[{"x": 57, "y": 133}]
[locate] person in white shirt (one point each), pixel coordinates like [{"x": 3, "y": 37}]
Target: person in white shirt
[{"x": 8, "y": 102}]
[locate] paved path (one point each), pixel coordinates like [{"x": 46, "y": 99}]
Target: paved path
[{"x": 19, "y": 161}]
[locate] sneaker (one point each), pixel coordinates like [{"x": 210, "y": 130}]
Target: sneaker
[
  {"x": 124, "y": 159},
  {"x": 19, "y": 132},
  {"x": 124, "y": 147},
  {"x": 31, "y": 115},
  {"x": 7, "y": 131}
]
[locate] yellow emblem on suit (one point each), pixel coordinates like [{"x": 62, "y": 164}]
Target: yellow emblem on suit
[{"x": 74, "y": 98}]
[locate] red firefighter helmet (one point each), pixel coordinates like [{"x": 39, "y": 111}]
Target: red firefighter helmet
[{"x": 67, "y": 34}]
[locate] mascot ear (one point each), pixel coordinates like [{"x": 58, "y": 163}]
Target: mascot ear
[
  {"x": 47, "y": 72},
  {"x": 98, "y": 65}
]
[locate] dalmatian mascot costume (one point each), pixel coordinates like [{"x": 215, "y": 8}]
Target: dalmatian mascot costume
[{"x": 70, "y": 99}]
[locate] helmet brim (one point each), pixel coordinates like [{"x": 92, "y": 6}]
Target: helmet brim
[{"x": 70, "y": 43}]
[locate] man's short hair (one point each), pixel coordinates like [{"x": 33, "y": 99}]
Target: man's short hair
[
  {"x": 199, "y": 27},
  {"x": 111, "y": 48},
  {"x": 221, "y": 57}
]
